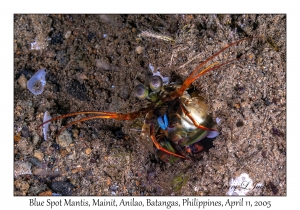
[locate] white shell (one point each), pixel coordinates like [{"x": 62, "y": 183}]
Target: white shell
[
  {"x": 46, "y": 126},
  {"x": 37, "y": 82},
  {"x": 212, "y": 134}
]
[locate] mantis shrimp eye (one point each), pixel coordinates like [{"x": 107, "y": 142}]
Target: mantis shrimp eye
[
  {"x": 141, "y": 92},
  {"x": 156, "y": 83}
]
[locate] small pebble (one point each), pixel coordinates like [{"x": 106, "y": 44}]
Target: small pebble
[
  {"x": 55, "y": 146},
  {"x": 244, "y": 104},
  {"x": 22, "y": 168},
  {"x": 88, "y": 151},
  {"x": 64, "y": 188},
  {"x": 64, "y": 139},
  {"x": 237, "y": 105},
  {"x": 22, "y": 81},
  {"x": 43, "y": 172},
  {"x": 36, "y": 162},
  {"x": 25, "y": 132},
  {"x": 139, "y": 49},
  {"x": 82, "y": 76},
  {"x": 68, "y": 34},
  {"x": 63, "y": 152},
  {"x": 239, "y": 89},
  {"x": 21, "y": 185},
  {"x": 53, "y": 127},
  {"x": 75, "y": 170},
  {"x": 24, "y": 146},
  {"x": 46, "y": 193},
  {"x": 68, "y": 149},
  {"x": 35, "y": 138},
  {"x": 102, "y": 65},
  {"x": 38, "y": 45},
  {"x": 38, "y": 154},
  {"x": 17, "y": 137},
  {"x": 75, "y": 133}
]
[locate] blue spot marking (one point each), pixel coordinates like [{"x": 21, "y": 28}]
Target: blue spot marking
[
  {"x": 166, "y": 120},
  {"x": 163, "y": 123}
]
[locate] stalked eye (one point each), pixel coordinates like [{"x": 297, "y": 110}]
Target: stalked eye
[
  {"x": 141, "y": 92},
  {"x": 156, "y": 83}
]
